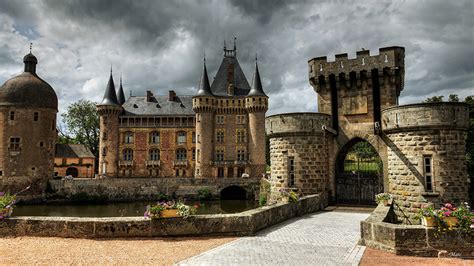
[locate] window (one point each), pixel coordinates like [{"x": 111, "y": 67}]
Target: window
[
  {"x": 154, "y": 155},
  {"x": 128, "y": 155},
  {"x": 219, "y": 154},
  {"x": 241, "y": 119},
  {"x": 428, "y": 172},
  {"x": 128, "y": 137},
  {"x": 181, "y": 154},
  {"x": 41, "y": 144},
  {"x": 104, "y": 135},
  {"x": 194, "y": 155},
  {"x": 220, "y": 119},
  {"x": 35, "y": 116},
  {"x": 291, "y": 171},
  {"x": 241, "y": 135},
  {"x": 220, "y": 172},
  {"x": 241, "y": 155},
  {"x": 240, "y": 171},
  {"x": 181, "y": 139},
  {"x": 194, "y": 137},
  {"x": 220, "y": 136},
  {"x": 14, "y": 144},
  {"x": 12, "y": 115},
  {"x": 154, "y": 137}
]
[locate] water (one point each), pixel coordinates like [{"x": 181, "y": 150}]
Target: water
[{"x": 125, "y": 209}]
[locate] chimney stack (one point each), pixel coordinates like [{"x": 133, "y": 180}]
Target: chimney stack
[{"x": 172, "y": 96}]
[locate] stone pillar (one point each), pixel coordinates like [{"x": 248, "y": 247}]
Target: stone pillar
[{"x": 109, "y": 140}]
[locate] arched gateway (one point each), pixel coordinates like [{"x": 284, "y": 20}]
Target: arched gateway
[{"x": 359, "y": 173}]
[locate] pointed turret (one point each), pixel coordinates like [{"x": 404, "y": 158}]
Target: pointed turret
[
  {"x": 204, "y": 86},
  {"x": 110, "y": 97},
  {"x": 120, "y": 94},
  {"x": 257, "y": 89}
]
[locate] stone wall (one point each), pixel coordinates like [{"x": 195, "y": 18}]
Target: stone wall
[
  {"x": 299, "y": 136},
  {"x": 437, "y": 131},
  {"x": 238, "y": 224},
  {"x": 31, "y": 162},
  {"x": 133, "y": 189},
  {"x": 378, "y": 231}
]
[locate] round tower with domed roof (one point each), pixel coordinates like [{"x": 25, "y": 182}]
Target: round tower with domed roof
[{"x": 28, "y": 108}]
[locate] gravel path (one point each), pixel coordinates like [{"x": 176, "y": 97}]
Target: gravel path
[{"x": 54, "y": 251}]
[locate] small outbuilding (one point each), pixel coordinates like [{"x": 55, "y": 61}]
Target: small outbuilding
[{"x": 74, "y": 160}]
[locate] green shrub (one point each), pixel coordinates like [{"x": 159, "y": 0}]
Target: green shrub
[
  {"x": 204, "y": 194},
  {"x": 262, "y": 200}
]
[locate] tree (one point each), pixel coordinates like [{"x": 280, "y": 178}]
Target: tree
[
  {"x": 434, "y": 99},
  {"x": 82, "y": 126},
  {"x": 454, "y": 98}
]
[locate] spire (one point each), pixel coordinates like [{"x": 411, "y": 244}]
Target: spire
[
  {"x": 30, "y": 62},
  {"x": 257, "y": 89},
  {"x": 110, "y": 97},
  {"x": 204, "y": 87},
  {"x": 120, "y": 94}
]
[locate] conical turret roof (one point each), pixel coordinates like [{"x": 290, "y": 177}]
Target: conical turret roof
[
  {"x": 204, "y": 87},
  {"x": 257, "y": 89},
  {"x": 120, "y": 94},
  {"x": 110, "y": 97}
]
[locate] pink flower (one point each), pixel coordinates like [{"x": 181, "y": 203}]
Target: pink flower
[{"x": 447, "y": 213}]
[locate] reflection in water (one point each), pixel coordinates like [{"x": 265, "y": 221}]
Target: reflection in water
[{"x": 125, "y": 209}]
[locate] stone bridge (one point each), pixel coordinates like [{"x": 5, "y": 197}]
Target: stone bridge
[{"x": 133, "y": 189}]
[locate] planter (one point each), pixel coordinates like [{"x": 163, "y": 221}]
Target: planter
[
  {"x": 385, "y": 202},
  {"x": 451, "y": 221},
  {"x": 169, "y": 213},
  {"x": 6, "y": 212},
  {"x": 429, "y": 221}
]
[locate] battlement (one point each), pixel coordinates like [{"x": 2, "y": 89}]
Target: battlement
[{"x": 390, "y": 57}]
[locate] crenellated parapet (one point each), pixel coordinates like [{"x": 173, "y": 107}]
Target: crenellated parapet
[
  {"x": 388, "y": 65},
  {"x": 294, "y": 124},
  {"x": 256, "y": 104},
  {"x": 204, "y": 104}
]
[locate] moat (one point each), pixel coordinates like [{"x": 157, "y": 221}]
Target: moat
[{"x": 125, "y": 209}]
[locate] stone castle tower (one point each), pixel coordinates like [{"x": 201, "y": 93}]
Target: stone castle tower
[
  {"x": 28, "y": 107},
  {"x": 421, "y": 147},
  {"x": 109, "y": 110},
  {"x": 230, "y": 121}
]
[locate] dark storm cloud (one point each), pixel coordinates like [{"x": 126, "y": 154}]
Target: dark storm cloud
[{"x": 159, "y": 45}]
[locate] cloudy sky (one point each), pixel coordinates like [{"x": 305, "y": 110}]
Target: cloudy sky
[{"x": 159, "y": 45}]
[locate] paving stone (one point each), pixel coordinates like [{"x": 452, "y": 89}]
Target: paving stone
[{"x": 324, "y": 238}]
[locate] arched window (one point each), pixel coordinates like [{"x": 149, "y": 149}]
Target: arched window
[
  {"x": 181, "y": 154},
  {"x": 154, "y": 155},
  {"x": 155, "y": 137},
  {"x": 128, "y": 137},
  {"x": 128, "y": 155},
  {"x": 181, "y": 137}
]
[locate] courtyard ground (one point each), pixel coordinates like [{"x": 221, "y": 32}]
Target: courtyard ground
[{"x": 323, "y": 238}]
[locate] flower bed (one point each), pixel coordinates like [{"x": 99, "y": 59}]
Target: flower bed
[
  {"x": 169, "y": 209},
  {"x": 447, "y": 217},
  {"x": 7, "y": 201}
]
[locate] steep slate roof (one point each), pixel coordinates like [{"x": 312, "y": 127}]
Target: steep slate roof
[
  {"x": 257, "y": 89},
  {"x": 120, "y": 94},
  {"x": 73, "y": 151},
  {"x": 110, "y": 96},
  {"x": 204, "y": 88},
  {"x": 220, "y": 84},
  {"x": 160, "y": 105}
]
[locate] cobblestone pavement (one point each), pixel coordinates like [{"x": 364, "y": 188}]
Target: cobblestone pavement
[{"x": 323, "y": 238}]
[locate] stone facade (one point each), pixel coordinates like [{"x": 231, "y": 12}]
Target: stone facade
[
  {"x": 75, "y": 160},
  {"x": 299, "y": 153},
  {"x": 28, "y": 107},
  {"x": 434, "y": 132},
  {"x": 421, "y": 147}
]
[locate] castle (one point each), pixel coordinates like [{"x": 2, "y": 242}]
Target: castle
[
  {"x": 217, "y": 133},
  {"x": 421, "y": 147}
]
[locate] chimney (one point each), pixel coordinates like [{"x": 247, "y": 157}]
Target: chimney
[
  {"x": 172, "y": 96},
  {"x": 149, "y": 96}
]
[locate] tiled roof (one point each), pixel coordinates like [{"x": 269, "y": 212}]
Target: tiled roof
[
  {"x": 158, "y": 105},
  {"x": 73, "y": 151}
]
